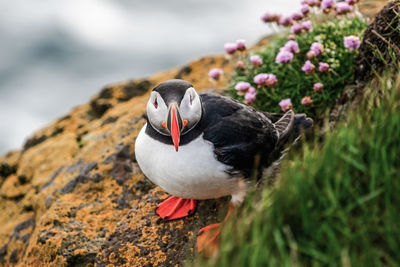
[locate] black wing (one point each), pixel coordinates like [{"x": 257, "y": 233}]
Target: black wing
[{"x": 242, "y": 136}]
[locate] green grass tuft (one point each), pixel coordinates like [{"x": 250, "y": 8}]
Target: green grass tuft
[{"x": 335, "y": 204}]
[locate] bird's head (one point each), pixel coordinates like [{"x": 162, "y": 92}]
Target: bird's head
[{"x": 174, "y": 108}]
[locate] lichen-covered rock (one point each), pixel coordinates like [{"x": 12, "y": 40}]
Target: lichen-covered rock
[{"x": 75, "y": 196}]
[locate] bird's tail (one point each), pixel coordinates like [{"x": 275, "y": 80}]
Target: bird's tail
[
  {"x": 290, "y": 127},
  {"x": 301, "y": 123}
]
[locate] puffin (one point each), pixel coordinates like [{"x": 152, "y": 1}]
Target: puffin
[{"x": 207, "y": 146}]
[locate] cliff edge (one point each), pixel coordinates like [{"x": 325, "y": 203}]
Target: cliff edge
[{"x": 75, "y": 196}]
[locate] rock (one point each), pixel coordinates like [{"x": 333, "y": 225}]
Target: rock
[
  {"x": 75, "y": 196},
  {"x": 381, "y": 33}
]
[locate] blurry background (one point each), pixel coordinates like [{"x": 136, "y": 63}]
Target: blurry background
[{"x": 56, "y": 54}]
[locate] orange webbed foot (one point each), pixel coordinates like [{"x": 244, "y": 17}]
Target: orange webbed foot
[
  {"x": 208, "y": 240},
  {"x": 175, "y": 208},
  {"x": 208, "y": 237}
]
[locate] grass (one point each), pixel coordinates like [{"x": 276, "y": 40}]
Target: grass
[
  {"x": 335, "y": 204},
  {"x": 292, "y": 81}
]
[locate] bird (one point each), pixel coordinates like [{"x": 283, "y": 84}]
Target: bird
[{"x": 207, "y": 146}]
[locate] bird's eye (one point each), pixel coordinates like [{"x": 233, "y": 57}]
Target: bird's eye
[{"x": 155, "y": 103}]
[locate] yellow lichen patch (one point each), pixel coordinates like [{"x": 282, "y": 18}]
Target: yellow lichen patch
[
  {"x": 96, "y": 217},
  {"x": 38, "y": 163},
  {"x": 12, "y": 188},
  {"x": 11, "y": 158},
  {"x": 112, "y": 258}
]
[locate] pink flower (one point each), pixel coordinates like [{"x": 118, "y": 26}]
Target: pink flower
[
  {"x": 296, "y": 28},
  {"x": 268, "y": 17},
  {"x": 313, "y": 2},
  {"x": 326, "y": 5},
  {"x": 297, "y": 16},
  {"x": 242, "y": 86},
  {"x": 240, "y": 65},
  {"x": 215, "y": 73},
  {"x": 306, "y": 25},
  {"x": 292, "y": 46},
  {"x": 343, "y": 8},
  {"x": 285, "y": 104},
  {"x": 285, "y": 21},
  {"x": 351, "y": 42},
  {"x": 241, "y": 45},
  {"x": 250, "y": 96},
  {"x": 306, "y": 101},
  {"x": 305, "y": 9},
  {"x": 311, "y": 54},
  {"x": 271, "y": 81},
  {"x": 230, "y": 48},
  {"x": 323, "y": 67},
  {"x": 308, "y": 67},
  {"x": 261, "y": 78},
  {"x": 317, "y": 48},
  {"x": 284, "y": 57},
  {"x": 352, "y": 2},
  {"x": 255, "y": 60},
  {"x": 318, "y": 87}
]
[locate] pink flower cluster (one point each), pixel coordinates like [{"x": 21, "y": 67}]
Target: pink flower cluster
[
  {"x": 308, "y": 67},
  {"x": 265, "y": 79},
  {"x": 306, "y": 101},
  {"x": 343, "y": 8},
  {"x": 284, "y": 57},
  {"x": 352, "y": 2},
  {"x": 285, "y": 104},
  {"x": 292, "y": 47},
  {"x": 323, "y": 67},
  {"x": 295, "y": 19},
  {"x": 240, "y": 65},
  {"x": 286, "y": 53},
  {"x": 304, "y": 26},
  {"x": 311, "y": 3},
  {"x": 250, "y": 96},
  {"x": 299, "y": 23},
  {"x": 327, "y": 5},
  {"x": 215, "y": 73},
  {"x": 256, "y": 60},
  {"x": 351, "y": 42},
  {"x": 249, "y": 92},
  {"x": 231, "y": 48},
  {"x": 318, "y": 87},
  {"x": 315, "y": 50},
  {"x": 242, "y": 86},
  {"x": 268, "y": 17}
]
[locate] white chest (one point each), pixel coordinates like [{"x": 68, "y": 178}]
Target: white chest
[{"x": 192, "y": 172}]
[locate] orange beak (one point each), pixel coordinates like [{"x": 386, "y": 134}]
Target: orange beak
[{"x": 175, "y": 124}]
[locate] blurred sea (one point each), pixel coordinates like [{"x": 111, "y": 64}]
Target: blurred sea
[{"x": 55, "y": 55}]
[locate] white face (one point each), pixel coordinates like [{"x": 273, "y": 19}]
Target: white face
[
  {"x": 189, "y": 109},
  {"x": 157, "y": 112}
]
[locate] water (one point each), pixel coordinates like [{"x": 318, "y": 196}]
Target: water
[{"x": 55, "y": 55}]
